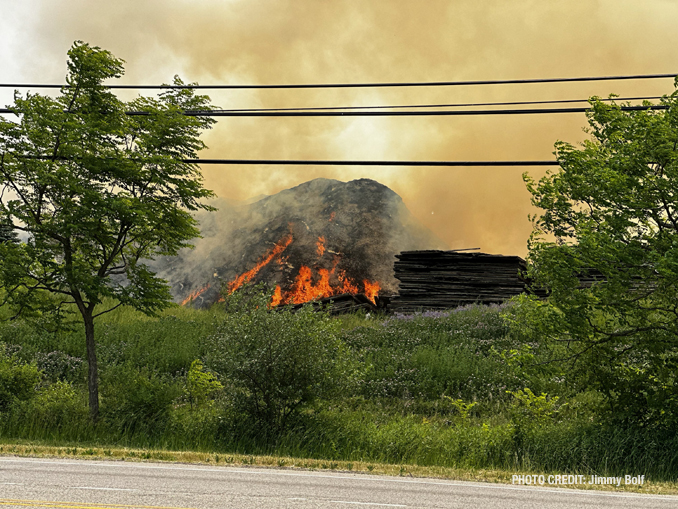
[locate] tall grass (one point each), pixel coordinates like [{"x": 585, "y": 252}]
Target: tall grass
[{"x": 432, "y": 389}]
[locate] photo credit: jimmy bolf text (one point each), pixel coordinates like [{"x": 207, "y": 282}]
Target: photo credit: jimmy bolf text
[{"x": 570, "y": 479}]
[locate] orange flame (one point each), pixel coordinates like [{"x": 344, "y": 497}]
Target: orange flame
[
  {"x": 265, "y": 260},
  {"x": 195, "y": 294},
  {"x": 347, "y": 286},
  {"x": 371, "y": 290},
  {"x": 306, "y": 288},
  {"x": 277, "y": 297}
]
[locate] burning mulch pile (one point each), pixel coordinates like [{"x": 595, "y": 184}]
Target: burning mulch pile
[
  {"x": 322, "y": 240},
  {"x": 447, "y": 279}
]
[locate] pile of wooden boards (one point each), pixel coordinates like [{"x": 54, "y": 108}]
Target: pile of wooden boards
[{"x": 447, "y": 279}]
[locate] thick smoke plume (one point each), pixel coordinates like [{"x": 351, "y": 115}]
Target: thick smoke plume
[{"x": 306, "y": 41}]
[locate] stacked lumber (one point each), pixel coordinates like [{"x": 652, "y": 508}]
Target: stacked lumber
[{"x": 447, "y": 279}]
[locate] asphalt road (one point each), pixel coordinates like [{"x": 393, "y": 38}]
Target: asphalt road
[{"x": 82, "y": 484}]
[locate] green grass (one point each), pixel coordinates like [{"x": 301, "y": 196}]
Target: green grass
[{"x": 431, "y": 392}]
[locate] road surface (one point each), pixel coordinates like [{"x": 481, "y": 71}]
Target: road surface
[{"x": 83, "y": 484}]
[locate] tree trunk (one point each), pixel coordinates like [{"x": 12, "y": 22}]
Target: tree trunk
[{"x": 93, "y": 373}]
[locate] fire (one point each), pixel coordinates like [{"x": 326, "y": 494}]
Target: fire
[
  {"x": 265, "y": 260},
  {"x": 304, "y": 290},
  {"x": 277, "y": 297},
  {"x": 371, "y": 290},
  {"x": 307, "y": 285},
  {"x": 347, "y": 286},
  {"x": 332, "y": 216},
  {"x": 307, "y": 288},
  {"x": 195, "y": 294}
]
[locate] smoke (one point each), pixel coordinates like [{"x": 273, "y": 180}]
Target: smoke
[{"x": 307, "y": 41}]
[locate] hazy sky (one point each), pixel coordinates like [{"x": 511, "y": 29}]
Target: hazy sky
[{"x": 316, "y": 41}]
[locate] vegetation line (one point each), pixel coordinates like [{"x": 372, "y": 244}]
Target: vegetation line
[{"x": 26, "y": 449}]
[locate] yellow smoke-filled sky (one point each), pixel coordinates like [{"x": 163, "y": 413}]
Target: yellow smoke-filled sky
[{"x": 349, "y": 41}]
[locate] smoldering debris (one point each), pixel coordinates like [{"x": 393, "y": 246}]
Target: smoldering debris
[{"x": 319, "y": 239}]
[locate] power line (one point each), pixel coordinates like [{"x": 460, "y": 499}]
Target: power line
[
  {"x": 325, "y": 162},
  {"x": 304, "y": 162},
  {"x": 457, "y": 105},
  {"x": 278, "y": 113},
  {"x": 365, "y": 85},
  {"x": 410, "y": 106},
  {"x": 451, "y": 113},
  {"x": 448, "y": 113}
]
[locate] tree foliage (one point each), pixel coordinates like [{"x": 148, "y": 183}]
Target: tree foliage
[
  {"x": 96, "y": 191},
  {"x": 611, "y": 214},
  {"x": 7, "y": 233}
]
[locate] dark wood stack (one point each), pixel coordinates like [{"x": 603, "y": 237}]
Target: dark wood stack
[{"x": 447, "y": 279}]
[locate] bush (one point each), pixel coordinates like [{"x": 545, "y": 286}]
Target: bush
[
  {"x": 638, "y": 381},
  {"x": 59, "y": 366},
  {"x": 278, "y": 360},
  {"x": 57, "y": 410},
  {"x": 200, "y": 384},
  {"x": 18, "y": 381},
  {"x": 137, "y": 401}
]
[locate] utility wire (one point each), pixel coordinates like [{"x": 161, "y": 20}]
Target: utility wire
[
  {"x": 522, "y": 111},
  {"x": 457, "y": 105},
  {"x": 409, "y": 106},
  {"x": 454, "y": 113},
  {"x": 366, "y": 85},
  {"x": 294, "y": 162},
  {"x": 325, "y": 162}
]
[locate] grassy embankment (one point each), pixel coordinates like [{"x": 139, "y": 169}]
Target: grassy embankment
[{"x": 440, "y": 394}]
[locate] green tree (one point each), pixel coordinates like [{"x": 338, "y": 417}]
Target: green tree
[
  {"x": 7, "y": 233},
  {"x": 609, "y": 216},
  {"x": 97, "y": 191}
]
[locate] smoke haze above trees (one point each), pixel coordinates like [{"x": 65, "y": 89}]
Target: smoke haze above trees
[{"x": 308, "y": 41}]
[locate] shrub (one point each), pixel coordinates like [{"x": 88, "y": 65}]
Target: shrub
[
  {"x": 59, "y": 366},
  {"x": 428, "y": 354},
  {"x": 18, "y": 381},
  {"x": 636, "y": 372},
  {"x": 58, "y": 409},
  {"x": 200, "y": 385},
  {"x": 278, "y": 360},
  {"x": 137, "y": 401}
]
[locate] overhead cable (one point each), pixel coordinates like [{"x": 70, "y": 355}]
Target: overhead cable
[
  {"x": 522, "y": 111},
  {"x": 409, "y": 106},
  {"x": 448, "y": 113},
  {"x": 304, "y": 162},
  {"x": 365, "y": 85},
  {"x": 325, "y": 162},
  {"x": 456, "y": 105}
]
